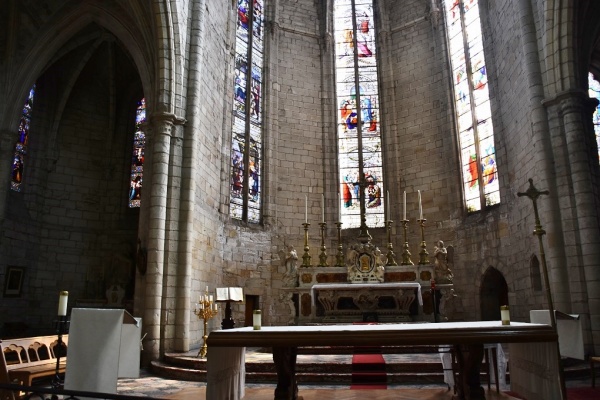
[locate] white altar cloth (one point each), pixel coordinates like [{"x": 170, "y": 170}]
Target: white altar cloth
[
  {"x": 391, "y": 285},
  {"x": 570, "y": 334}
]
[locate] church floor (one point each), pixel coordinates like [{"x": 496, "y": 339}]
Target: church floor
[
  {"x": 343, "y": 394},
  {"x": 149, "y": 385},
  {"x": 152, "y": 386}
]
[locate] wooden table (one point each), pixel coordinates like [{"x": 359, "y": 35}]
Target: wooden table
[{"x": 532, "y": 351}]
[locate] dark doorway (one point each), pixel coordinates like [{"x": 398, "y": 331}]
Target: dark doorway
[
  {"x": 494, "y": 293},
  {"x": 252, "y": 303}
]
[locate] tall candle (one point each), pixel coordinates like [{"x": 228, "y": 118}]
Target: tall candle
[
  {"x": 339, "y": 208},
  {"x": 387, "y": 204},
  {"x": 306, "y": 208},
  {"x": 404, "y": 208},
  {"x": 323, "y": 208},
  {"x": 63, "y": 300},
  {"x": 420, "y": 206}
]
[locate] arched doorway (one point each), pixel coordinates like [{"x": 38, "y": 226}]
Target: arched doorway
[{"x": 493, "y": 294}]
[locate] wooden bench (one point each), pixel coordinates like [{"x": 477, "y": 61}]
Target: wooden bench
[{"x": 25, "y": 359}]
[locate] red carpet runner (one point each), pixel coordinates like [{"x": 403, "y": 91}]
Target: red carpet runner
[{"x": 368, "y": 369}]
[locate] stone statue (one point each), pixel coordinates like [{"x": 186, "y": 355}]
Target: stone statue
[
  {"x": 289, "y": 259},
  {"x": 442, "y": 272}
]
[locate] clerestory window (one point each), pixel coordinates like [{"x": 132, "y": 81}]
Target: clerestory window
[
  {"x": 594, "y": 93},
  {"x": 246, "y": 141},
  {"x": 472, "y": 104},
  {"x": 358, "y": 120},
  {"x": 18, "y": 163},
  {"x": 137, "y": 158}
]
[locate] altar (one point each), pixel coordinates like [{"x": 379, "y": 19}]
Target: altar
[
  {"x": 382, "y": 302},
  {"x": 532, "y": 350}
]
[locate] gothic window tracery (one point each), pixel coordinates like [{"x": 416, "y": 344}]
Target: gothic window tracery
[
  {"x": 358, "y": 116},
  {"x": 246, "y": 143},
  {"x": 472, "y": 104}
]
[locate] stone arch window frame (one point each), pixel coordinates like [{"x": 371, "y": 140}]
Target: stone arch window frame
[
  {"x": 240, "y": 167},
  {"x": 485, "y": 199},
  {"x": 378, "y": 219},
  {"x": 535, "y": 274}
]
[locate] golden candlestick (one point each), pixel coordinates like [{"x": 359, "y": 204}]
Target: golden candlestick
[
  {"x": 423, "y": 254},
  {"x": 390, "y": 254},
  {"x": 405, "y": 253},
  {"x": 339, "y": 258},
  {"x": 323, "y": 254},
  {"x": 207, "y": 309},
  {"x": 306, "y": 256}
]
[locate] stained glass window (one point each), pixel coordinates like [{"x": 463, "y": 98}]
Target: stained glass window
[
  {"x": 358, "y": 124},
  {"x": 472, "y": 104},
  {"x": 594, "y": 92},
  {"x": 246, "y": 142},
  {"x": 137, "y": 158},
  {"x": 18, "y": 163}
]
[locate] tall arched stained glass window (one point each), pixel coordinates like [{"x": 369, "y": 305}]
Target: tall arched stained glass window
[
  {"x": 246, "y": 140},
  {"x": 594, "y": 92},
  {"x": 472, "y": 104},
  {"x": 137, "y": 158},
  {"x": 358, "y": 128},
  {"x": 18, "y": 163}
]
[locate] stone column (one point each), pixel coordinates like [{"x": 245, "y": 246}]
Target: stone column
[
  {"x": 162, "y": 125},
  {"x": 576, "y": 112}
]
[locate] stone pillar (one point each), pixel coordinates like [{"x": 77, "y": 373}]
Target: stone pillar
[
  {"x": 576, "y": 112},
  {"x": 162, "y": 125}
]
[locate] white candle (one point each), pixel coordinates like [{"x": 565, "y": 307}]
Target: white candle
[
  {"x": 339, "y": 208},
  {"x": 210, "y": 298},
  {"x": 63, "y": 300},
  {"x": 420, "y": 206},
  {"x": 306, "y": 208},
  {"x": 323, "y": 208},
  {"x": 387, "y": 204},
  {"x": 404, "y": 208},
  {"x": 206, "y": 288},
  {"x": 256, "y": 319}
]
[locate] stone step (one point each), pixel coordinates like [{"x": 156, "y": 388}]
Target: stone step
[
  {"x": 342, "y": 376},
  {"x": 422, "y": 367}
]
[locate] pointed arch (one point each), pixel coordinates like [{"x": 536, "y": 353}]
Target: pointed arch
[{"x": 492, "y": 294}]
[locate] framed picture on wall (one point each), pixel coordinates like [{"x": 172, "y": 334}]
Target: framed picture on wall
[{"x": 13, "y": 281}]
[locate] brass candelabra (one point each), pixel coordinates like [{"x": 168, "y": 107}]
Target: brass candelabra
[
  {"x": 390, "y": 255},
  {"x": 207, "y": 309},
  {"x": 306, "y": 256},
  {"x": 423, "y": 254},
  {"x": 339, "y": 258},
  {"x": 405, "y": 253},
  {"x": 323, "y": 254}
]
